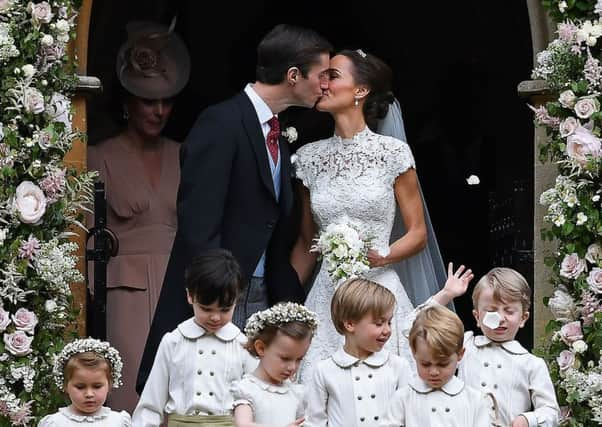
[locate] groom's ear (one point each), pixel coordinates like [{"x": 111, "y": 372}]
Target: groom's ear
[{"x": 292, "y": 75}]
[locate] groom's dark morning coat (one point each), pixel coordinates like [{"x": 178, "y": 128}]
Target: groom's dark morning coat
[{"x": 226, "y": 199}]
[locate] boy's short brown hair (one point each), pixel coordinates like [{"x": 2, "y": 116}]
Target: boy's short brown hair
[
  {"x": 441, "y": 329},
  {"x": 508, "y": 285},
  {"x": 357, "y": 297}
]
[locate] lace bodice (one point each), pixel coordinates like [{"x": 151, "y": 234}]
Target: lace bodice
[{"x": 354, "y": 178}]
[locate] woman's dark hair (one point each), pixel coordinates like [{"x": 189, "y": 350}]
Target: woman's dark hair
[
  {"x": 287, "y": 46},
  {"x": 377, "y": 76},
  {"x": 214, "y": 276},
  {"x": 296, "y": 330}
]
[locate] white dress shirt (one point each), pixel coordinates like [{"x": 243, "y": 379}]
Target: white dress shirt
[
  {"x": 345, "y": 391},
  {"x": 519, "y": 380},
  {"x": 453, "y": 405},
  {"x": 192, "y": 373}
]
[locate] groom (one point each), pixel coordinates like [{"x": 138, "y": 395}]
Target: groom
[{"x": 235, "y": 188}]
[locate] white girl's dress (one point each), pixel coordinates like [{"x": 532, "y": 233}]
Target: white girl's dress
[
  {"x": 345, "y": 391},
  {"x": 192, "y": 373},
  {"x": 272, "y": 405},
  {"x": 519, "y": 380},
  {"x": 453, "y": 405},
  {"x": 104, "y": 417},
  {"x": 354, "y": 178}
]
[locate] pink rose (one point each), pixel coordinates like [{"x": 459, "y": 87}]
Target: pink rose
[
  {"x": 568, "y": 126},
  {"x": 594, "y": 280},
  {"x": 18, "y": 343},
  {"x": 594, "y": 253},
  {"x": 571, "y": 332},
  {"x": 5, "y": 5},
  {"x": 33, "y": 100},
  {"x": 41, "y": 13},
  {"x": 4, "y": 319},
  {"x": 567, "y": 99},
  {"x": 25, "y": 320},
  {"x": 582, "y": 143},
  {"x": 571, "y": 266},
  {"x": 584, "y": 108},
  {"x": 30, "y": 202},
  {"x": 565, "y": 360}
]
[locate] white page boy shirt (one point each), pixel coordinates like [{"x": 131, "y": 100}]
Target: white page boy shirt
[
  {"x": 453, "y": 405},
  {"x": 192, "y": 373},
  {"x": 519, "y": 380},
  {"x": 345, "y": 391}
]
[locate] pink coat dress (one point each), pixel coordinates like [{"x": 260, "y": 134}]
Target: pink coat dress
[{"x": 144, "y": 220}]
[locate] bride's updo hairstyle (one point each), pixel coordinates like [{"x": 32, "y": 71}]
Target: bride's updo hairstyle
[{"x": 377, "y": 76}]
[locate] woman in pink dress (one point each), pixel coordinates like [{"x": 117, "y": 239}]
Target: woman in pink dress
[{"x": 140, "y": 169}]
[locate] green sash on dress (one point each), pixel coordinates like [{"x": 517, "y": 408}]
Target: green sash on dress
[{"x": 174, "y": 420}]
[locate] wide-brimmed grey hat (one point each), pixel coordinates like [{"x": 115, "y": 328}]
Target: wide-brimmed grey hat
[{"x": 154, "y": 62}]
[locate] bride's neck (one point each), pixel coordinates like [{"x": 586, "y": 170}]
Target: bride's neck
[{"x": 348, "y": 124}]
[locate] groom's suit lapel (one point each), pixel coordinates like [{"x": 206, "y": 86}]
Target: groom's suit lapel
[{"x": 255, "y": 134}]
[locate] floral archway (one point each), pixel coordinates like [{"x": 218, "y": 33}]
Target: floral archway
[
  {"x": 571, "y": 67},
  {"x": 41, "y": 202}
]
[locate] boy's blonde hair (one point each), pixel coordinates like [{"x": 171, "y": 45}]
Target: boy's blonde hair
[
  {"x": 357, "y": 297},
  {"x": 508, "y": 285},
  {"x": 441, "y": 329}
]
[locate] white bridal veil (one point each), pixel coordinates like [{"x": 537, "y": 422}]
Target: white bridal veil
[{"x": 423, "y": 274}]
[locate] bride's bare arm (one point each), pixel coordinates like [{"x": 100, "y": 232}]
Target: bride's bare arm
[
  {"x": 302, "y": 260},
  {"x": 408, "y": 198}
]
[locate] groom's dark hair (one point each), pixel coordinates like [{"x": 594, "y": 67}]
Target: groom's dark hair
[
  {"x": 287, "y": 46},
  {"x": 214, "y": 276}
]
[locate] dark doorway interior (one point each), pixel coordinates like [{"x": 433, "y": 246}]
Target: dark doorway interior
[{"x": 456, "y": 64}]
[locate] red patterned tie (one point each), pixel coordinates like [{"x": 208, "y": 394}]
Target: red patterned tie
[{"x": 272, "y": 138}]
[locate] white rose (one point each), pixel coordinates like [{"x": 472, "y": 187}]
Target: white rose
[
  {"x": 59, "y": 110},
  {"x": 562, "y": 305},
  {"x": 33, "y": 101},
  {"x": 50, "y": 305},
  {"x": 567, "y": 99},
  {"x": 473, "y": 180},
  {"x": 30, "y": 202},
  {"x": 62, "y": 26},
  {"x": 28, "y": 70},
  {"x": 585, "y": 107},
  {"x": 4, "y": 319},
  {"x": 47, "y": 40},
  {"x": 340, "y": 251},
  {"x": 581, "y": 218},
  {"x": 596, "y": 198},
  {"x": 579, "y": 346},
  {"x": 582, "y": 143},
  {"x": 18, "y": 343},
  {"x": 594, "y": 253},
  {"x": 571, "y": 266},
  {"x": 25, "y": 320},
  {"x": 41, "y": 13},
  {"x": 594, "y": 280},
  {"x": 568, "y": 126},
  {"x": 562, "y": 6}
]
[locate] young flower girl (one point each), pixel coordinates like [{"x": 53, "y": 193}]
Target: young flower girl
[
  {"x": 279, "y": 337},
  {"x": 86, "y": 369}
]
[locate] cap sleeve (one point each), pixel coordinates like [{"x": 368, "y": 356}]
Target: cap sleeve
[
  {"x": 242, "y": 393},
  {"x": 302, "y": 164},
  {"x": 400, "y": 157}
]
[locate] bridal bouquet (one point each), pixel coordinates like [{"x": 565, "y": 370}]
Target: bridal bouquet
[{"x": 341, "y": 246}]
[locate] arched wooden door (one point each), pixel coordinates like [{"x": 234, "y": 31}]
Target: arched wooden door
[{"x": 77, "y": 156}]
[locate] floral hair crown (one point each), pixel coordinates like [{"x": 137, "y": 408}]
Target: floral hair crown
[
  {"x": 101, "y": 348},
  {"x": 278, "y": 315}
]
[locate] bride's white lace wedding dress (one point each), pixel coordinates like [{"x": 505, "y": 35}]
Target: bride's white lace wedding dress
[{"x": 354, "y": 178}]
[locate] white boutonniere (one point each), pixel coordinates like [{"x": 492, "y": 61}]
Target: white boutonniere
[{"x": 291, "y": 134}]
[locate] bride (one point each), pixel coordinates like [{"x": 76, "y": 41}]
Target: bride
[{"x": 365, "y": 177}]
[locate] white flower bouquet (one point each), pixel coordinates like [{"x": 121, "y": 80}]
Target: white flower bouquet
[{"x": 344, "y": 250}]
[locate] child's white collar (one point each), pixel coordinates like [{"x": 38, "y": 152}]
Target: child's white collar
[
  {"x": 454, "y": 386},
  {"x": 191, "y": 330},
  {"x": 345, "y": 360},
  {"x": 513, "y": 346},
  {"x": 102, "y": 413}
]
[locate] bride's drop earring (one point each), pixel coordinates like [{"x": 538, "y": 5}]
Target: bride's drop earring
[{"x": 357, "y": 102}]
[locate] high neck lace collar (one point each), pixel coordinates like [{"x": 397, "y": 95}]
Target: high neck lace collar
[{"x": 357, "y": 137}]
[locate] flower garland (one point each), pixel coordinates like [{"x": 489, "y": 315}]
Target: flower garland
[
  {"x": 41, "y": 202},
  {"x": 277, "y": 315},
  {"x": 573, "y": 121}
]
